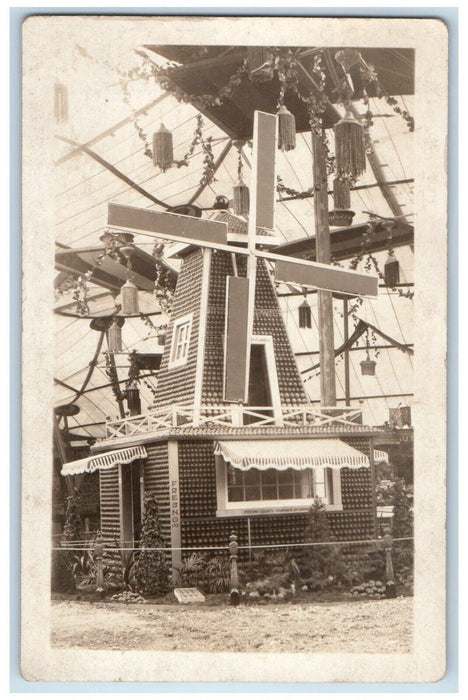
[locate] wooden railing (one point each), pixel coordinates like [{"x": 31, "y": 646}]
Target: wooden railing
[{"x": 230, "y": 416}]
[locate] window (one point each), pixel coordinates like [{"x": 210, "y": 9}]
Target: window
[
  {"x": 243, "y": 492},
  {"x": 180, "y": 341}
]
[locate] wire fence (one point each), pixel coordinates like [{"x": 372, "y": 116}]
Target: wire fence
[{"x": 83, "y": 546}]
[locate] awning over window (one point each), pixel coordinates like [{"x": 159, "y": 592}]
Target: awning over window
[
  {"x": 104, "y": 461},
  {"x": 287, "y": 454},
  {"x": 380, "y": 456}
]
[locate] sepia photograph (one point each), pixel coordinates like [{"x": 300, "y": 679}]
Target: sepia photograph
[{"x": 231, "y": 291}]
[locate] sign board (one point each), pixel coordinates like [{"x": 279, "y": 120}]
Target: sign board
[
  {"x": 174, "y": 505},
  {"x": 189, "y": 595}
]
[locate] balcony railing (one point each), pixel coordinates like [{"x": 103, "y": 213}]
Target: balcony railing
[{"x": 160, "y": 420}]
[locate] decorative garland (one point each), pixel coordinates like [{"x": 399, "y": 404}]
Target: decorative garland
[{"x": 111, "y": 373}]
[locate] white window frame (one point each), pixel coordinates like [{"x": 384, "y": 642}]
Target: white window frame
[
  {"x": 332, "y": 491},
  {"x": 178, "y": 324}
]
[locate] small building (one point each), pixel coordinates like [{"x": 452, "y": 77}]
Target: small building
[{"x": 218, "y": 467}]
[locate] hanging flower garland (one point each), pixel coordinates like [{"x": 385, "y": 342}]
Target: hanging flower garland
[
  {"x": 370, "y": 77},
  {"x": 111, "y": 373}
]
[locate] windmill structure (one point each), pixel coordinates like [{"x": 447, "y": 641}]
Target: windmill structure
[{"x": 232, "y": 441}]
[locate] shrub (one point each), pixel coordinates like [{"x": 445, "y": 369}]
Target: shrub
[
  {"x": 209, "y": 574},
  {"x": 63, "y": 580},
  {"x": 319, "y": 566},
  {"x": 402, "y": 509},
  {"x": 151, "y": 567}
]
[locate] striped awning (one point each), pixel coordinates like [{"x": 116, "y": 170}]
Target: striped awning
[
  {"x": 380, "y": 456},
  {"x": 290, "y": 454},
  {"x": 105, "y": 461}
]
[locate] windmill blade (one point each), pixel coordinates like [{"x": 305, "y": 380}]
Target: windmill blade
[
  {"x": 321, "y": 276},
  {"x": 235, "y": 380},
  {"x": 173, "y": 227},
  {"x": 240, "y": 316}
]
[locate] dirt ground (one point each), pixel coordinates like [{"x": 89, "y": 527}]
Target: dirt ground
[{"x": 375, "y": 626}]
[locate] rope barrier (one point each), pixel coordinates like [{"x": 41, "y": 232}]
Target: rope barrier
[{"x": 224, "y": 547}]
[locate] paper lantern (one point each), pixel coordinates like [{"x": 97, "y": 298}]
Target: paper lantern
[
  {"x": 163, "y": 151},
  {"x": 392, "y": 271},
  {"x": 368, "y": 367},
  {"x": 341, "y": 194},
  {"x": 129, "y": 299},
  {"x": 114, "y": 337},
  {"x": 133, "y": 398},
  {"x": 305, "y": 315},
  {"x": 350, "y": 149},
  {"x": 286, "y": 129},
  {"x": 241, "y": 198}
]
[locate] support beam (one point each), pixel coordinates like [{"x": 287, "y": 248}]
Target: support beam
[
  {"x": 115, "y": 171},
  {"x": 346, "y": 352}
]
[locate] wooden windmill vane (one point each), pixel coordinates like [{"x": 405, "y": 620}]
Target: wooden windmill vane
[{"x": 240, "y": 291}]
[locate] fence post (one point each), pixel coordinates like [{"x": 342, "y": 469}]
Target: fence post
[
  {"x": 390, "y": 587},
  {"x": 234, "y": 596},
  {"x": 98, "y": 558}
]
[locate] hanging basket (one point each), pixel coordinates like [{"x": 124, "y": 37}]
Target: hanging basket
[
  {"x": 368, "y": 367},
  {"x": 241, "y": 199},
  {"x": 340, "y": 217},
  {"x": 286, "y": 129},
  {"x": 350, "y": 148},
  {"x": 162, "y": 338},
  {"x": 163, "y": 151}
]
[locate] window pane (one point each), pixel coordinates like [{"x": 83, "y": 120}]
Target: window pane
[
  {"x": 269, "y": 493},
  {"x": 252, "y": 477},
  {"x": 286, "y": 491},
  {"x": 286, "y": 476},
  {"x": 235, "y": 493},
  {"x": 252, "y": 493},
  {"x": 269, "y": 477}
]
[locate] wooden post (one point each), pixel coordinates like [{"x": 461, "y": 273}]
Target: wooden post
[
  {"x": 234, "y": 596},
  {"x": 390, "y": 587},
  {"x": 98, "y": 558},
  {"x": 324, "y": 299},
  {"x": 346, "y": 353}
]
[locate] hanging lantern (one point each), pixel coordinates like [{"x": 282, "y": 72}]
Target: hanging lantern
[
  {"x": 133, "y": 398},
  {"x": 305, "y": 315},
  {"x": 341, "y": 215},
  {"x": 241, "y": 198},
  {"x": 114, "y": 337},
  {"x": 129, "y": 298},
  {"x": 286, "y": 129},
  {"x": 350, "y": 148},
  {"x": 258, "y": 63},
  {"x": 341, "y": 194},
  {"x": 163, "y": 152},
  {"x": 392, "y": 271},
  {"x": 368, "y": 366}
]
